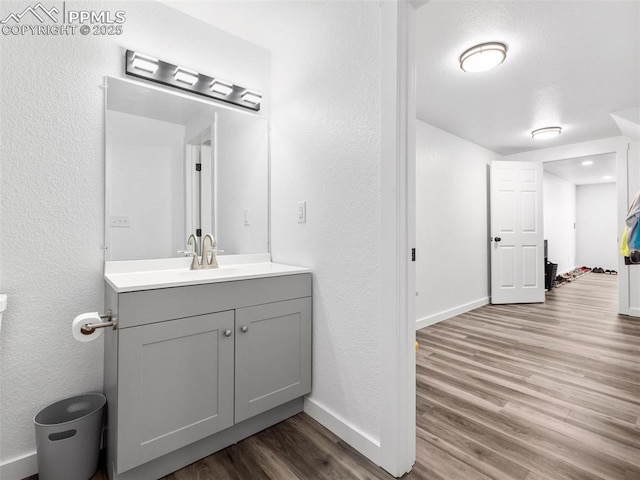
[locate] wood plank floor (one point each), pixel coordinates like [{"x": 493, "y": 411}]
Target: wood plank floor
[
  {"x": 529, "y": 392},
  {"x": 533, "y": 392}
]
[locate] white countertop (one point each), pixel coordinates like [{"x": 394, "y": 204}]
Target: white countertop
[{"x": 152, "y": 274}]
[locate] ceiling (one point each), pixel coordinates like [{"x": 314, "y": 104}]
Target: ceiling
[
  {"x": 574, "y": 171},
  {"x": 569, "y": 63}
]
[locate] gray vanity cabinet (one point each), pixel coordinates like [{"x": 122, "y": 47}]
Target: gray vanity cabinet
[
  {"x": 178, "y": 385},
  {"x": 193, "y": 369},
  {"x": 273, "y": 361}
]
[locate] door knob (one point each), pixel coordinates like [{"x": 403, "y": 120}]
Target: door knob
[
  {"x": 497, "y": 239},
  {"x": 227, "y": 333},
  {"x": 244, "y": 329}
]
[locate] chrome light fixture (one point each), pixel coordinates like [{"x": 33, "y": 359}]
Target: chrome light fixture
[
  {"x": 185, "y": 75},
  {"x": 223, "y": 88},
  {"x": 176, "y": 76},
  {"x": 546, "y": 132},
  {"x": 483, "y": 57},
  {"x": 144, "y": 63}
]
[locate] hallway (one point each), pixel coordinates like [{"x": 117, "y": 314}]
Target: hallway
[{"x": 541, "y": 391}]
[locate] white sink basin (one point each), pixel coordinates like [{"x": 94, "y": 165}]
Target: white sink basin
[{"x": 125, "y": 280}]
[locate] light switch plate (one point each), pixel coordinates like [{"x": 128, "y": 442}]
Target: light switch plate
[
  {"x": 302, "y": 212},
  {"x": 119, "y": 221}
]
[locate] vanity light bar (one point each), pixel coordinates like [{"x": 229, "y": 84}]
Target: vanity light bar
[{"x": 154, "y": 70}]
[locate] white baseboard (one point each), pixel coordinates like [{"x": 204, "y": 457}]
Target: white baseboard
[
  {"x": 364, "y": 444},
  {"x": 20, "y": 467},
  {"x": 452, "y": 312}
]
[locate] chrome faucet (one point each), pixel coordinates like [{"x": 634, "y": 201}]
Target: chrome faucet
[
  {"x": 195, "y": 263},
  {"x": 209, "y": 262}
]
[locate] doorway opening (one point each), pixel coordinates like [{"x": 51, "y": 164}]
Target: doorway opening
[{"x": 580, "y": 212}]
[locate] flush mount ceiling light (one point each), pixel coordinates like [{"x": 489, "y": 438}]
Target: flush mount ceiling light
[
  {"x": 546, "y": 132},
  {"x": 223, "y": 88},
  {"x": 185, "y": 75},
  {"x": 586, "y": 163},
  {"x": 483, "y": 57},
  {"x": 607, "y": 177},
  {"x": 176, "y": 76},
  {"x": 144, "y": 63}
]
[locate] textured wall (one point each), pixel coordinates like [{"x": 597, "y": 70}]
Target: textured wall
[
  {"x": 597, "y": 226},
  {"x": 451, "y": 221},
  {"x": 52, "y": 202},
  {"x": 559, "y": 207},
  {"x": 326, "y": 150}
]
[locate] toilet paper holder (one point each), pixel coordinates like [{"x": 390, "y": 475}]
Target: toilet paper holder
[{"x": 89, "y": 328}]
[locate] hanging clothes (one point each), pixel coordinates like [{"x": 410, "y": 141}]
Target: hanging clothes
[
  {"x": 624, "y": 243},
  {"x": 633, "y": 223}
]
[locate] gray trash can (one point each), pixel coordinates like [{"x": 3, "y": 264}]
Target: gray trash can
[{"x": 68, "y": 436}]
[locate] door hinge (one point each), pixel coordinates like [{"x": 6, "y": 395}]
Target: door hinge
[
  {"x": 198, "y": 167},
  {"x": 413, "y": 254},
  {"x": 198, "y": 232}
]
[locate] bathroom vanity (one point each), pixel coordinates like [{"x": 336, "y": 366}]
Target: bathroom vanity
[{"x": 200, "y": 359}]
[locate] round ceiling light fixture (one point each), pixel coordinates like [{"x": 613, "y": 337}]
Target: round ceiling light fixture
[
  {"x": 483, "y": 57},
  {"x": 546, "y": 132}
]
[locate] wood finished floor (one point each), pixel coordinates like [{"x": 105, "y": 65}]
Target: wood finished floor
[{"x": 529, "y": 392}]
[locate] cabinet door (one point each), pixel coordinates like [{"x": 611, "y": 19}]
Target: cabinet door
[
  {"x": 175, "y": 383},
  {"x": 273, "y": 355}
]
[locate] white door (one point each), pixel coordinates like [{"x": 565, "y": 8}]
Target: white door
[{"x": 517, "y": 263}]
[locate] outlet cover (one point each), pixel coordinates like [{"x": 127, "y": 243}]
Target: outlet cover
[
  {"x": 302, "y": 212},
  {"x": 119, "y": 221}
]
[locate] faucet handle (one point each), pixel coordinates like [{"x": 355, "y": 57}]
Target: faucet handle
[{"x": 187, "y": 253}]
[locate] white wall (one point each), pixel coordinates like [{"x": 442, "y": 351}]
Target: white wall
[
  {"x": 325, "y": 143},
  {"x": 451, "y": 227},
  {"x": 52, "y": 204},
  {"x": 597, "y": 226},
  {"x": 559, "y": 207},
  {"x": 146, "y": 171}
]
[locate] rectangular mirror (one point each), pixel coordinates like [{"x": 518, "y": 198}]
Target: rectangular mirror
[{"x": 176, "y": 166}]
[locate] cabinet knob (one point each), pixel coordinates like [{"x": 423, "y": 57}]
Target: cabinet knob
[
  {"x": 244, "y": 329},
  {"x": 227, "y": 333}
]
